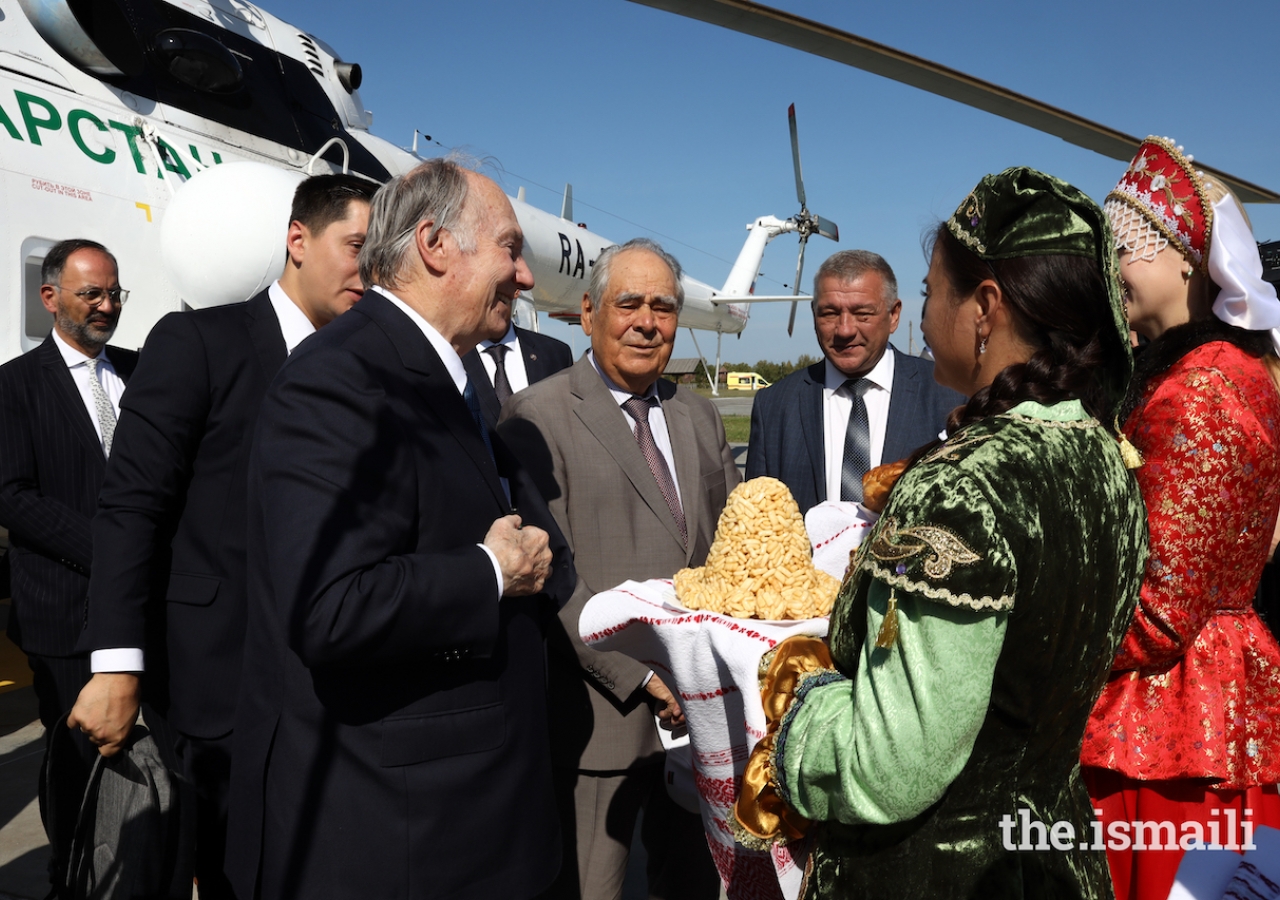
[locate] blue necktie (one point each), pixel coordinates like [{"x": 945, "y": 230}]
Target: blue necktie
[{"x": 473, "y": 405}]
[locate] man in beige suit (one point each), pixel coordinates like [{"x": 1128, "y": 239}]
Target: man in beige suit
[{"x": 636, "y": 472}]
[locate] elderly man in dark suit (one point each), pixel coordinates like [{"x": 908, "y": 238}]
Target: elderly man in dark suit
[
  {"x": 58, "y": 409},
  {"x": 636, "y": 472},
  {"x": 819, "y": 430},
  {"x": 518, "y": 359},
  {"x": 392, "y": 737},
  {"x": 167, "y": 597}
]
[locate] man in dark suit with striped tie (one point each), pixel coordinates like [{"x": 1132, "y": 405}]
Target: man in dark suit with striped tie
[
  {"x": 820, "y": 429},
  {"x": 58, "y": 408},
  {"x": 520, "y": 358}
]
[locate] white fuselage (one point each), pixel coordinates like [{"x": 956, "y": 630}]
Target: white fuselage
[{"x": 80, "y": 157}]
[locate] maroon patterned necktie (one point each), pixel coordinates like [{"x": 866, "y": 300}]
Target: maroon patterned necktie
[{"x": 638, "y": 409}]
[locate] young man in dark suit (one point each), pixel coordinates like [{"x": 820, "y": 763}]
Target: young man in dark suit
[
  {"x": 820, "y": 429},
  {"x": 392, "y": 734},
  {"x": 58, "y": 409},
  {"x": 166, "y": 612},
  {"x": 518, "y": 359}
]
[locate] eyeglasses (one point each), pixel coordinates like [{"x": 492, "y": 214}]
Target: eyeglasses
[{"x": 94, "y": 296}]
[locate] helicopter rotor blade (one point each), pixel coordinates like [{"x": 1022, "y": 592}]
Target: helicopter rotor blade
[
  {"x": 849, "y": 49},
  {"x": 827, "y": 228},
  {"x": 795, "y": 155},
  {"x": 791, "y": 322}
]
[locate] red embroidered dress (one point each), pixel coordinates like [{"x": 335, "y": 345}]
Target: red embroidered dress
[{"x": 1195, "y": 689}]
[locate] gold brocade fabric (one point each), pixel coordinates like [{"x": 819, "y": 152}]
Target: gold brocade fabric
[
  {"x": 763, "y": 817},
  {"x": 1195, "y": 689}
]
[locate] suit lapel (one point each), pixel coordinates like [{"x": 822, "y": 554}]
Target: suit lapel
[
  {"x": 684, "y": 449},
  {"x": 902, "y": 405},
  {"x": 432, "y": 382},
  {"x": 535, "y": 368},
  {"x": 813, "y": 427},
  {"x": 72, "y": 404},
  {"x": 266, "y": 335},
  {"x": 604, "y": 419}
]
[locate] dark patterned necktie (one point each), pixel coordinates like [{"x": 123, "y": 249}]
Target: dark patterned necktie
[
  {"x": 501, "y": 384},
  {"x": 857, "y": 446},
  {"x": 638, "y": 409},
  {"x": 102, "y": 403}
]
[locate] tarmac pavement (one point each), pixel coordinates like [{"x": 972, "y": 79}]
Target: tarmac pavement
[
  {"x": 24, "y": 852},
  {"x": 734, "y": 406}
]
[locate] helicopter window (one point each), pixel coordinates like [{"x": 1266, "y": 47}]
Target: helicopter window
[
  {"x": 36, "y": 321},
  {"x": 178, "y": 59},
  {"x": 198, "y": 60}
]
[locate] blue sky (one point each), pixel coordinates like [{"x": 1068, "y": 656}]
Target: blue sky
[{"x": 680, "y": 127}]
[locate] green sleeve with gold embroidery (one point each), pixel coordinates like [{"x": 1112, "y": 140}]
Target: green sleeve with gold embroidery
[{"x": 883, "y": 747}]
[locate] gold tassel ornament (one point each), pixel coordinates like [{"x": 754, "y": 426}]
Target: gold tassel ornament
[
  {"x": 1129, "y": 453},
  {"x": 888, "y": 635}
]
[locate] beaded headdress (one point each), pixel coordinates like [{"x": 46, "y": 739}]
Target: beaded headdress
[{"x": 1161, "y": 200}]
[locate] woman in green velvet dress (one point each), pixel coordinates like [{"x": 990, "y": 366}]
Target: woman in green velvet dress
[{"x": 938, "y": 756}]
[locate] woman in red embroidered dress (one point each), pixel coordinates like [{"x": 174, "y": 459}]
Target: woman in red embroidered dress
[{"x": 1187, "y": 730}]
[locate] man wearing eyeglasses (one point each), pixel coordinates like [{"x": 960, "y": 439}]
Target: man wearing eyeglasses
[{"x": 58, "y": 409}]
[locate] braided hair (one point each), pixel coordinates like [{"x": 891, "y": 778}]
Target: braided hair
[{"x": 1059, "y": 306}]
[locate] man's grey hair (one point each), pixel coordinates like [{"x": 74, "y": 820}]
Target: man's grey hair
[
  {"x": 436, "y": 190},
  {"x": 849, "y": 265},
  {"x": 604, "y": 262}
]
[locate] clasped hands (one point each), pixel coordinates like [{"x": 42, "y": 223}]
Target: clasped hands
[
  {"x": 107, "y": 707},
  {"x": 523, "y": 553}
]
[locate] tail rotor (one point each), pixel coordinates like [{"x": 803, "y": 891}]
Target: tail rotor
[{"x": 804, "y": 222}]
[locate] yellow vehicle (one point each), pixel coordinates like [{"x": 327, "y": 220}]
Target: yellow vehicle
[{"x": 745, "y": 381}]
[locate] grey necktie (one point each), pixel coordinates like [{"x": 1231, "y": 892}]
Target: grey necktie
[
  {"x": 102, "y": 403},
  {"x": 501, "y": 384},
  {"x": 857, "y": 446},
  {"x": 638, "y": 409}
]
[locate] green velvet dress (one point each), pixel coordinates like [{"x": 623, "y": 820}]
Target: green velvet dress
[{"x": 1012, "y": 555}]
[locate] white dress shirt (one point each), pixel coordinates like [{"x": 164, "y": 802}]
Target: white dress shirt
[
  {"x": 125, "y": 659},
  {"x": 294, "y": 324},
  {"x": 77, "y": 365},
  {"x": 513, "y": 361},
  {"x": 837, "y": 405},
  {"x": 453, "y": 364},
  {"x": 657, "y": 420},
  {"x": 661, "y": 437}
]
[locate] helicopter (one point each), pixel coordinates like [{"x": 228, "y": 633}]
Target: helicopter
[
  {"x": 174, "y": 131},
  {"x": 112, "y": 112}
]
